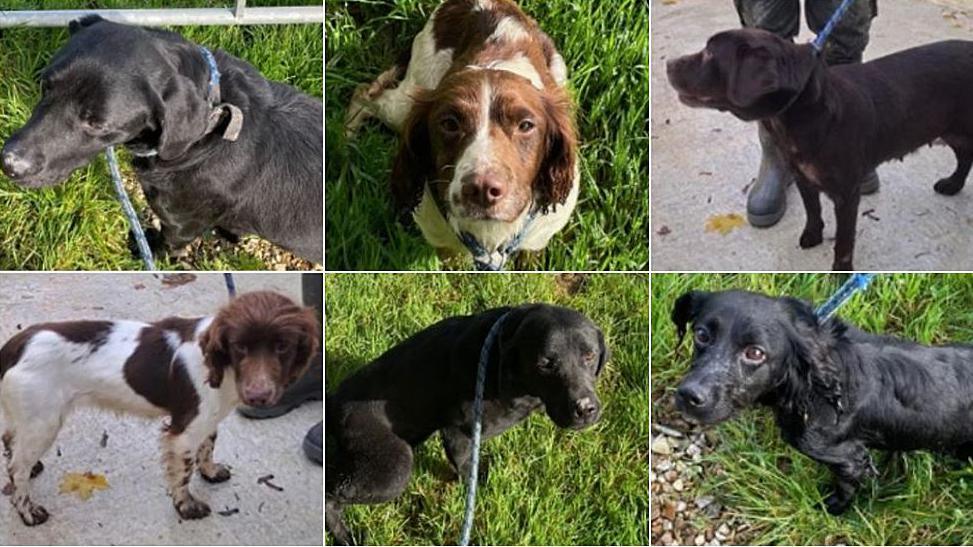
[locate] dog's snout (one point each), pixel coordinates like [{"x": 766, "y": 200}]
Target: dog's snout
[
  {"x": 483, "y": 189},
  {"x": 17, "y": 163},
  {"x": 585, "y": 408},
  {"x": 258, "y": 395},
  {"x": 692, "y": 396}
]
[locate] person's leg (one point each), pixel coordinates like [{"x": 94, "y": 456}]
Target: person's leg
[
  {"x": 767, "y": 200},
  {"x": 846, "y": 44}
]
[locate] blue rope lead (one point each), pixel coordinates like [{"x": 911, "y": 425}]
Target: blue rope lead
[
  {"x": 857, "y": 282},
  {"x": 230, "y": 284},
  {"x": 822, "y": 37},
  {"x": 133, "y": 219},
  {"x": 477, "y": 426}
]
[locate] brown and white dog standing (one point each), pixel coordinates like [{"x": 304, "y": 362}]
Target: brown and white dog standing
[
  {"x": 259, "y": 343},
  {"x": 488, "y": 137}
]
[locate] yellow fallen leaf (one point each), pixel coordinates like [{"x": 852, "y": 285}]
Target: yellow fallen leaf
[
  {"x": 83, "y": 484},
  {"x": 724, "y": 224}
]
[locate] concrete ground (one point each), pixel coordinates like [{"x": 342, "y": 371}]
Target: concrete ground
[
  {"x": 135, "y": 509},
  {"x": 703, "y": 162}
]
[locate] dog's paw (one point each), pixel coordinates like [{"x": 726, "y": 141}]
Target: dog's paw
[
  {"x": 152, "y": 236},
  {"x": 840, "y": 265},
  {"x": 34, "y": 515},
  {"x": 811, "y": 238},
  {"x": 192, "y": 509},
  {"x": 216, "y": 473},
  {"x": 948, "y": 187},
  {"x": 836, "y": 504}
]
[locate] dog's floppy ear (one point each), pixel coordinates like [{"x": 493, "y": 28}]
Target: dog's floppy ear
[
  {"x": 216, "y": 354},
  {"x": 604, "y": 352},
  {"x": 686, "y": 309},
  {"x": 306, "y": 321},
  {"x": 813, "y": 370},
  {"x": 181, "y": 115},
  {"x": 414, "y": 163},
  {"x": 84, "y": 22},
  {"x": 753, "y": 76},
  {"x": 556, "y": 177}
]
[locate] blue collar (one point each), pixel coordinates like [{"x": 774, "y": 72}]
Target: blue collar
[
  {"x": 483, "y": 259},
  {"x": 213, "y": 89}
]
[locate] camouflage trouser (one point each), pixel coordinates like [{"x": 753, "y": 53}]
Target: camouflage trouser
[{"x": 782, "y": 17}]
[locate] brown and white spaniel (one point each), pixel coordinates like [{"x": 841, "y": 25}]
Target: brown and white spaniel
[
  {"x": 489, "y": 147},
  {"x": 195, "y": 371}
]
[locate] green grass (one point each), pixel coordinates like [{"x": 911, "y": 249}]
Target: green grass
[
  {"x": 918, "y": 499},
  {"x": 605, "y": 45},
  {"x": 546, "y": 486},
  {"x": 79, "y": 225}
]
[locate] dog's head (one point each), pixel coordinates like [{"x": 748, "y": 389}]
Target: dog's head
[
  {"x": 749, "y": 348},
  {"x": 110, "y": 84},
  {"x": 266, "y": 340},
  {"x": 490, "y": 143},
  {"x": 751, "y": 73},
  {"x": 555, "y": 354}
]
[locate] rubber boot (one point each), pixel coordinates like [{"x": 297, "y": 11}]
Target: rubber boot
[
  {"x": 870, "y": 183},
  {"x": 767, "y": 200},
  {"x": 314, "y": 443},
  {"x": 309, "y": 387}
]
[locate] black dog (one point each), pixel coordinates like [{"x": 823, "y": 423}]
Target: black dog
[
  {"x": 835, "y": 390},
  {"x": 544, "y": 357},
  {"x": 835, "y": 124},
  {"x": 240, "y": 157}
]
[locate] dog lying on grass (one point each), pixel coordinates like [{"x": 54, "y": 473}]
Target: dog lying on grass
[
  {"x": 545, "y": 357},
  {"x": 835, "y": 391},
  {"x": 835, "y": 124}
]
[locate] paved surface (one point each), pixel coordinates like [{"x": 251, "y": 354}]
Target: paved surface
[
  {"x": 135, "y": 508},
  {"x": 703, "y": 161}
]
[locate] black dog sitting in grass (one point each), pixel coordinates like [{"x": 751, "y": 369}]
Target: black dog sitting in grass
[
  {"x": 544, "y": 357},
  {"x": 835, "y": 391}
]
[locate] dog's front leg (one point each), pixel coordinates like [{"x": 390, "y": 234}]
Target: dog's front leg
[
  {"x": 814, "y": 224},
  {"x": 208, "y": 469},
  {"x": 850, "y": 463},
  {"x": 459, "y": 451},
  {"x": 178, "y": 453},
  {"x": 846, "y": 218}
]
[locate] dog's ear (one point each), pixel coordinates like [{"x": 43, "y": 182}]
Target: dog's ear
[
  {"x": 604, "y": 353},
  {"x": 216, "y": 353},
  {"x": 84, "y": 22},
  {"x": 686, "y": 309},
  {"x": 556, "y": 176},
  {"x": 413, "y": 164},
  {"x": 753, "y": 76},
  {"x": 308, "y": 342},
  {"x": 181, "y": 114},
  {"x": 813, "y": 370}
]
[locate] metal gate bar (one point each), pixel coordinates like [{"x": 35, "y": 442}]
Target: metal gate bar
[{"x": 237, "y": 15}]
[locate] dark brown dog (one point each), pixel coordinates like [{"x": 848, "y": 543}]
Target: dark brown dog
[{"x": 834, "y": 124}]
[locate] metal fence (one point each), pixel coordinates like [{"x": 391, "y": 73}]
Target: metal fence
[{"x": 238, "y": 14}]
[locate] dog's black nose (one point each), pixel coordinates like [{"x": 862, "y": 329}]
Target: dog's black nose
[
  {"x": 691, "y": 395},
  {"x": 17, "y": 164},
  {"x": 584, "y": 407}
]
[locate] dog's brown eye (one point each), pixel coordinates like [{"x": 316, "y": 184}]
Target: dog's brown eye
[
  {"x": 702, "y": 336},
  {"x": 239, "y": 349},
  {"x": 588, "y": 357},
  {"x": 754, "y": 354},
  {"x": 526, "y": 126},
  {"x": 282, "y": 347},
  {"x": 548, "y": 364},
  {"x": 449, "y": 124}
]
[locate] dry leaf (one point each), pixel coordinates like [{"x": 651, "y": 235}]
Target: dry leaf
[
  {"x": 724, "y": 224},
  {"x": 83, "y": 484}
]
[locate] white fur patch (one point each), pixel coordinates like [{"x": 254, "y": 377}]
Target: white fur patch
[
  {"x": 478, "y": 151},
  {"x": 508, "y": 30},
  {"x": 519, "y": 65}
]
